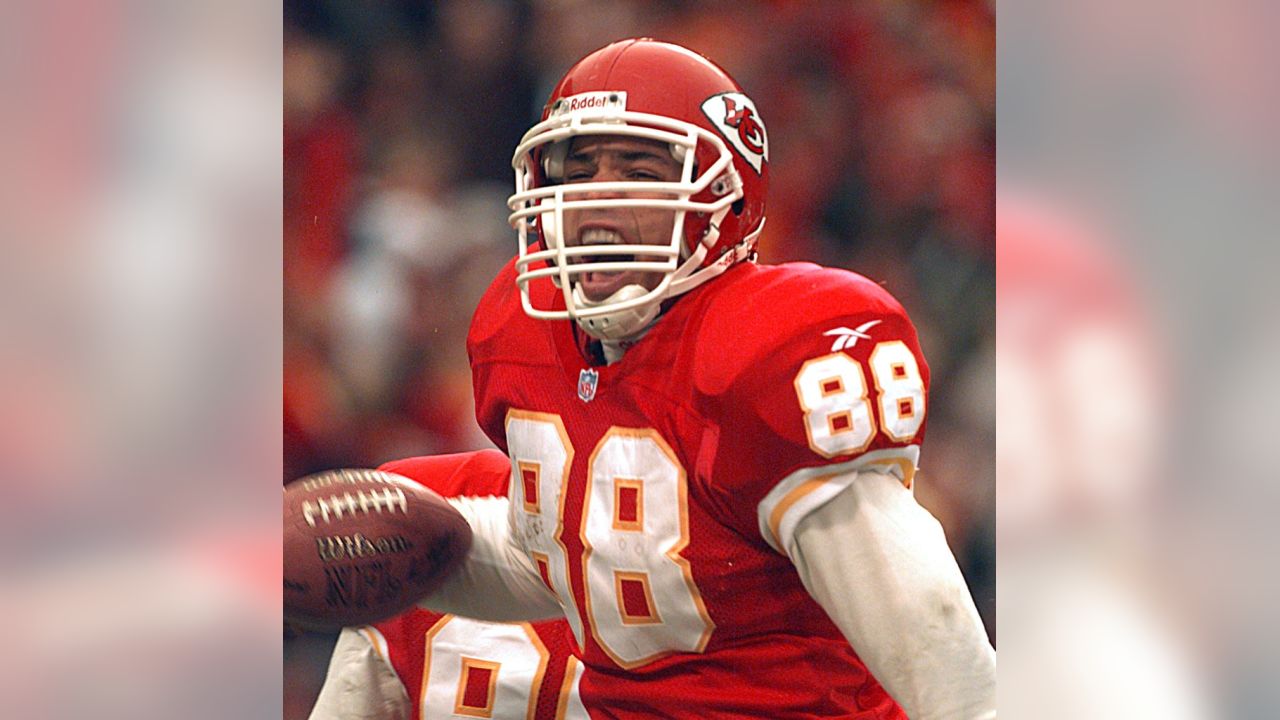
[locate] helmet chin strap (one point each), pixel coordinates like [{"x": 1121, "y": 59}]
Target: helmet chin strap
[
  {"x": 631, "y": 322},
  {"x": 620, "y": 324}
]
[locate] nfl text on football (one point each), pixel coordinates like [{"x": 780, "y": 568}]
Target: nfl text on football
[{"x": 363, "y": 545}]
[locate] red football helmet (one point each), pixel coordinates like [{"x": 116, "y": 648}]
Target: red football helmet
[{"x": 646, "y": 89}]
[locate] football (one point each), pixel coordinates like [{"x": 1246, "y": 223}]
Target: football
[{"x": 364, "y": 545}]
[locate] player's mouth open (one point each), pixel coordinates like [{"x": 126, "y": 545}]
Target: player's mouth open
[{"x": 598, "y": 285}]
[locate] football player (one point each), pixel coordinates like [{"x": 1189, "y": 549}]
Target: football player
[
  {"x": 712, "y": 459},
  {"x": 423, "y": 665}
]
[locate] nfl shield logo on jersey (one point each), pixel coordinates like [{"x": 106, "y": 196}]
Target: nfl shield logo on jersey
[{"x": 587, "y": 384}]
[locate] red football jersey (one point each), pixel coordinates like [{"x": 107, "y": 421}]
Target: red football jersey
[
  {"x": 658, "y": 495},
  {"x": 453, "y": 666}
]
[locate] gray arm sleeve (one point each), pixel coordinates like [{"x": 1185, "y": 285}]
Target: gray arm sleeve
[
  {"x": 360, "y": 684},
  {"x": 879, "y": 564},
  {"x": 498, "y": 582}
]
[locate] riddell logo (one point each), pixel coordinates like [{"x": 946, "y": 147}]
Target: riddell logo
[
  {"x": 600, "y": 100},
  {"x": 735, "y": 116}
]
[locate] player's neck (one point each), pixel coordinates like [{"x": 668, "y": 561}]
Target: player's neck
[
  {"x": 608, "y": 352},
  {"x": 615, "y": 349}
]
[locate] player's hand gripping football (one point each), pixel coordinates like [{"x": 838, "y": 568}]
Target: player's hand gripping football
[{"x": 364, "y": 545}]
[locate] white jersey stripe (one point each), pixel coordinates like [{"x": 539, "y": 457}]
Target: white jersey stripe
[{"x": 808, "y": 489}]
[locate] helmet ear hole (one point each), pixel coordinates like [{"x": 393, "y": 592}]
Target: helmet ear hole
[
  {"x": 547, "y": 224},
  {"x": 737, "y": 206},
  {"x": 553, "y": 157}
]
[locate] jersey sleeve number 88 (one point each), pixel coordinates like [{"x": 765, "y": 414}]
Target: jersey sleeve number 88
[{"x": 834, "y": 396}]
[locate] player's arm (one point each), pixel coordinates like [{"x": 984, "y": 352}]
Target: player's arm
[
  {"x": 838, "y": 412},
  {"x": 878, "y": 563},
  {"x": 361, "y": 684},
  {"x": 497, "y": 581}
]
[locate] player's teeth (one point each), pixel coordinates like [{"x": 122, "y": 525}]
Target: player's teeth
[{"x": 600, "y": 236}]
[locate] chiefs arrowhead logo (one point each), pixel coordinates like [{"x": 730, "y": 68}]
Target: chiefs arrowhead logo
[
  {"x": 750, "y": 131},
  {"x": 735, "y": 116}
]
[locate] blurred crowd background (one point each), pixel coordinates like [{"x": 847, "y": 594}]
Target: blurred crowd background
[{"x": 399, "y": 123}]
